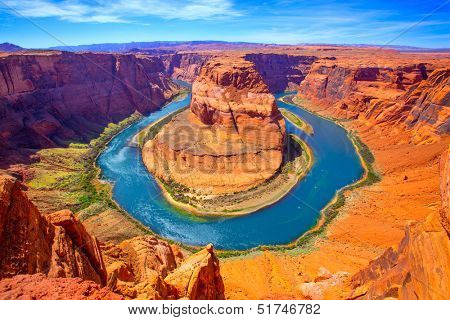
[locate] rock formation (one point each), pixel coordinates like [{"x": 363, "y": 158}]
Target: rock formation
[
  {"x": 185, "y": 66},
  {"x": 415, "y": 95},
  {"x": 230, "y": 140},
  {"x": 420, "y": 267},
  {"x": 50, "y": 98},
  {"x": 137, "y": 267},
  {"x": 281, "y": 71},
  {"x": 31, "y": 243},
  {"x": 146, "y": 268},
  {"x": 36, "y": 250},
  {"x": 40, "y": 287},
  {"x": 198, "y": 278}
]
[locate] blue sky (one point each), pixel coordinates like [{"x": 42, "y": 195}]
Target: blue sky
[{"x": 73, "y": 22}]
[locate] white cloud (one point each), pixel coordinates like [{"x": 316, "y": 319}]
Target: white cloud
[{"x": 121, "y": 11}]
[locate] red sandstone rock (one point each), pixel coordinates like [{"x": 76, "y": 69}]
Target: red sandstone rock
[
  {"x": 398, "y": 93},
  {"x": 40, "y": 287},
  {"x": 230, "y": 140},
  {"x": 198, "y": 278},
  {"x": 420, "y": 267},
  {"x": 49, "y": 98},
  {"x": 145, "y": 268},
  {"x": 31, "y": 244}
]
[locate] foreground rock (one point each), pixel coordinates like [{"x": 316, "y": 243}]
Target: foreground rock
[
  {"x": 198, "y": 278},
  {"x": 31, "y": 243},
  {"x": 137, "y": 267},
  {"x": 147, "y": 268},
  {"x": 420, "y": 267},
  {"x": 230, "y": 140},
  {"x": 40, "y": 287}
]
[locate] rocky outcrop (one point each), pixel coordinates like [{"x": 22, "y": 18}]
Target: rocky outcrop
[
  {"x": 198, "y": 278},
  {"x": 31, "y": 243},
  {"x": 429, "y": 103},
  {"x": 419, "y": 267},
  {"x": 281, "y": 71},
  {"x": 146, "y": 268},
  {"x": 415, "y": 95},
  {"x": 185, "y": 66},
  {"x": 48, "y": 99},
  {"x": 137, "y": 267},
  {"x": 230, "y": 140},
  {"x": 40, "y": 287}
]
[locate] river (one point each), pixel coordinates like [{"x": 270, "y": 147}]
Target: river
[{"x": 336, "y": 165}]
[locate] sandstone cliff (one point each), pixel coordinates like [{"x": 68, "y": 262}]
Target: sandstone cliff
[
  {"x": 420, "y": 267},
  {"x": 415, "y": 95},
  {"x": 198, "y": 278},
  {"x": 48, "y": 99},
  {"x": 282, "y": 71},
  {"x": 185, "y": 66},
  {"x": 230, "y": 140},
  {"x": 31, "y": 243}
]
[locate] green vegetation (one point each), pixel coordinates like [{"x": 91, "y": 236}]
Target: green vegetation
[
  {"x": 69, "y": 175},
  {"x": 297, "y": 121}
]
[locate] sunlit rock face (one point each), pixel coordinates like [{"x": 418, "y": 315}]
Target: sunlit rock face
[
  {"x": 231, "y": 138},
  {"x": 410, "y": 94}
]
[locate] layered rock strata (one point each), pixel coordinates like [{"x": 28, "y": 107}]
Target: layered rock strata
[
  {"x": 48, "y": 99},
  {"x": 279, "y": 71},
  {"x": 414, "y": 95},
  {"x": 282, "y": 71},
  {"x": 231, "y": 139},
  {"x": 147, "y": 268}
]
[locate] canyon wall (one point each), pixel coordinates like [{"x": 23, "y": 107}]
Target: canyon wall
[
  {"x": 281, "y": 71},
  {"x": 230, "y": 140},
  {"x": 420, "y": 267},
  {"x": 185, "y": 66},
  {"x": 416, "y": 94},
  {"x": 49, "y": 99}
]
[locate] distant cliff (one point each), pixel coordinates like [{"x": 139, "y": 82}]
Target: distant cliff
[
  {"x": 48, "y": 99},
  {"x": 280, "y": 71},
  {"x": 414, "y": 94}
]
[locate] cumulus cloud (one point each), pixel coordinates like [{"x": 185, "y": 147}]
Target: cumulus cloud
[{"x": 121, "y": 11}]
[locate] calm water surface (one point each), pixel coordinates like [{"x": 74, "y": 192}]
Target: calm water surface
[{"x": 336, "y": 165}]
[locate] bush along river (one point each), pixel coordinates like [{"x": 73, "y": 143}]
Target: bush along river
[{"x": 336, "y": 165}]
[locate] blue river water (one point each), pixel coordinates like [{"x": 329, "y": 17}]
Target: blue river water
[{"x": 336, "y": 165}]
